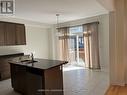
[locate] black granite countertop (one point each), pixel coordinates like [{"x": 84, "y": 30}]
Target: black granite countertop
[
  {"x": 40, "y": 63},
  {"x": 10, "y": 55}
]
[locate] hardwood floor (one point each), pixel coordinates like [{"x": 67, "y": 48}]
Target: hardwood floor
[{"x": 117, "y": 90}]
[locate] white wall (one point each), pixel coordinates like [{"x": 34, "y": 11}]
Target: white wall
[
  {"x": 37, "y": 39},
  {"x": 103, "y": 37}
]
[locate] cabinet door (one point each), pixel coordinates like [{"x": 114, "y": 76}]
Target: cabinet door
[
  {"x": 2, "y": 33},
  {"x": 20, "y": 34},
  {"x": 18, "y": 78},
  {"x": 10, "y": 34},
  {"x": 34, "y": 81}
]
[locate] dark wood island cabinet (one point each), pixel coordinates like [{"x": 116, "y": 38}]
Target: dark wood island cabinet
[{"x": 41, "y": 77}]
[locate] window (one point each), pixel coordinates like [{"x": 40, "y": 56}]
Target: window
[{"x": 76, "y": 29}]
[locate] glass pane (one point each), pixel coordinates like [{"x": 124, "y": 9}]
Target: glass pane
[
  {"x": 81, "y": 42},
  {"x": 72, "y": 49},
  {"x": 76, "y": 29}
]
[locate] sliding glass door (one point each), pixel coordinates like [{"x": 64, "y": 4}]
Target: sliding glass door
[
  {"x": 76, "y": 45},
  {"x": 71, "y": 45}
]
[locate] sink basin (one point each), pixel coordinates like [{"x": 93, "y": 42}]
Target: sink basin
[{"x": 28, "y": 61}]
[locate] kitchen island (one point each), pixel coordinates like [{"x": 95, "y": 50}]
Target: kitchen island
[{"x": 39, "y": 77}]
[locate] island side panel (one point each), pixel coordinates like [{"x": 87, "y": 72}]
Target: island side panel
[{"x": 54, "y": 81}]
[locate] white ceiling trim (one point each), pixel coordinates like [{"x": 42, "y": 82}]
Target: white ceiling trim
[{"x": 108, "y": 4}]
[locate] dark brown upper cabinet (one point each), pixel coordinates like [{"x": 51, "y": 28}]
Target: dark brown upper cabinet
[
  {"x": 20, "y": 34},
  {"x": 12, "y": 34},
  {"x": 2, "y": 33},
  {"x": 10, "y": 38}
]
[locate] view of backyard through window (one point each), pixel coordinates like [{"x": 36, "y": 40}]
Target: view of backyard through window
[{"x": 76, "y": 46}]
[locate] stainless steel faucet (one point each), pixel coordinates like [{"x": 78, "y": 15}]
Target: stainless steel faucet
[{"x": 32, "y": 57}]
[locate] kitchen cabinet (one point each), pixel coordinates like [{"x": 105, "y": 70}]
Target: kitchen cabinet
[
  {"x": 20, "y": 34},
  {"x": 4, "y": 65},
  {"x": 2, "y": 33},
  {"x": 12, "y": 34}
]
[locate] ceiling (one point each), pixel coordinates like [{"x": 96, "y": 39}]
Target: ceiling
[{"x": 45, "y": 10}]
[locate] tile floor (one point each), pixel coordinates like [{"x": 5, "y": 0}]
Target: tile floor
[
  {"x": 85, "y": 82},
  {"x": 77, "y": 81}
]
